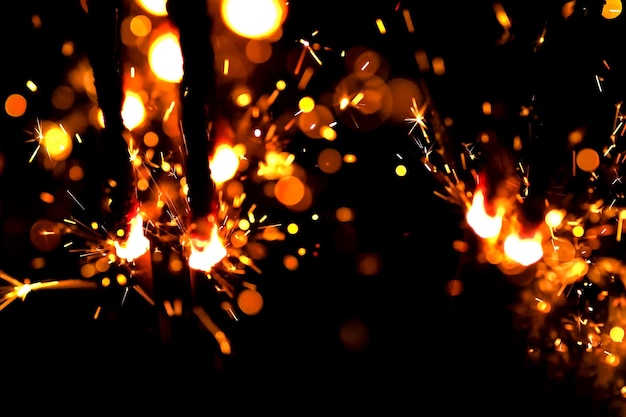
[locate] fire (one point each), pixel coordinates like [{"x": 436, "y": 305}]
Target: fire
[
  {"x": 136, "y": 244},
  {"x": 525, "y": 251},
  {"x": 480, "y": 221},
  {"x": 206, "y": 253}
]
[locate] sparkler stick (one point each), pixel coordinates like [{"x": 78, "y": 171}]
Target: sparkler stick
[
  {"x": 104, "y": 53},
  {"x": 198, "y": 107}
]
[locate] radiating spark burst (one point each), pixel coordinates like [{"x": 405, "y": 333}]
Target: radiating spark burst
[
  {"x": 418, "y": 119},
  {"x": 39, "y": 138}
]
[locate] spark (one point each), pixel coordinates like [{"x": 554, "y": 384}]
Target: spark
[
  {"x": 39, "y": 137},
  {"x": 417, "y": 119}
]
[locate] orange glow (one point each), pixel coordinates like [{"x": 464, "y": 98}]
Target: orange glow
[
  {"x": 224, "y": 164},
  {"x": 166, "y": 59},
  {"x": 133, "y": 111},
  {"x": 276, "y": 165},
  {"x": 206, "y": 253},
  {"x": 15, "y": 105},
  {"x": 154, "y": 7},
  {"x": 525, "y": 251},
  {"x": 136, "y": 244},
  {"x": 483, "y": 224},
  {"x": 57, "y": 142}
]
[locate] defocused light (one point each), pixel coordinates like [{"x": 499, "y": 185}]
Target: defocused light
[
  {"x": 612, "y": 9},
  {"x": 224, "y": 164},
  {"x": 344, "y": 214},
  {"x": 140, "y": 26},
  {"x": 401, "y": 170},
  {"x": 250, "y": 302},
  {"x": 15, "y": 105},
  {"x": 306, "y": 104},
  {"x": 254, "y": 19},
  {"x": 289, "y": 190},
  {"x": 133, "y": 110},
  {"x": 329, "y": 160},
  {"x": 154, "y": 7},
  {"x": 57, "y": 142},
  {"x": 525, "y": 251},
  {"x": 166, "y": 59},
  {"x": 617, "y": 334}
]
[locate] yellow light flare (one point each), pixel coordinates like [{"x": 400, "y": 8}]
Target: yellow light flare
[
  {"x": 206, "y": 253},
  {"x": 136, "y": 244},
  {"x": 165, "y": 58},
  {"x": 224, "y": 164},
  {"x": 480, "y": 221},
  {"x": 254, "y": 19},
  {"x": 524, "y": 250}
]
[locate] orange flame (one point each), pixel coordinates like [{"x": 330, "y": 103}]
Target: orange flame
[
  {"x": 480, "y": 221},
  {"x": 136, "y": 243},
  {"x": 206, "y": 253}
]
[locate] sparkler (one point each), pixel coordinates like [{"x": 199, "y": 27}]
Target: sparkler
[
  {"x": 105, "y": 53},
  {"x": 553, "y": 232}
]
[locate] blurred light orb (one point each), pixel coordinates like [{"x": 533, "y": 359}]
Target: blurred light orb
[
  {"x": 166, "y": 59},
  {"x": 289, "y": 190},
  {"x": 140, "y": 25},
  {"x": 354, "y": 335},
  {"x": 250, "y": 302},
  {"x": 617, "y": 334},
  {"x": 253, "y": 19},
  {"x": 133, "y": 110},
  {"x": 154, "y": 7},
  {"x": 15, "y": 105},
  {"x": 57, "y": 142},
  {"x": 224, "y": 164},
  {"x": 588, "y": 160},
  {"x": 329, "y": 160},
  {"x": 45, "y": 235}
]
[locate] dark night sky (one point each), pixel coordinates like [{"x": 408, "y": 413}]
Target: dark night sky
[{"x": 426, "y": 350}]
